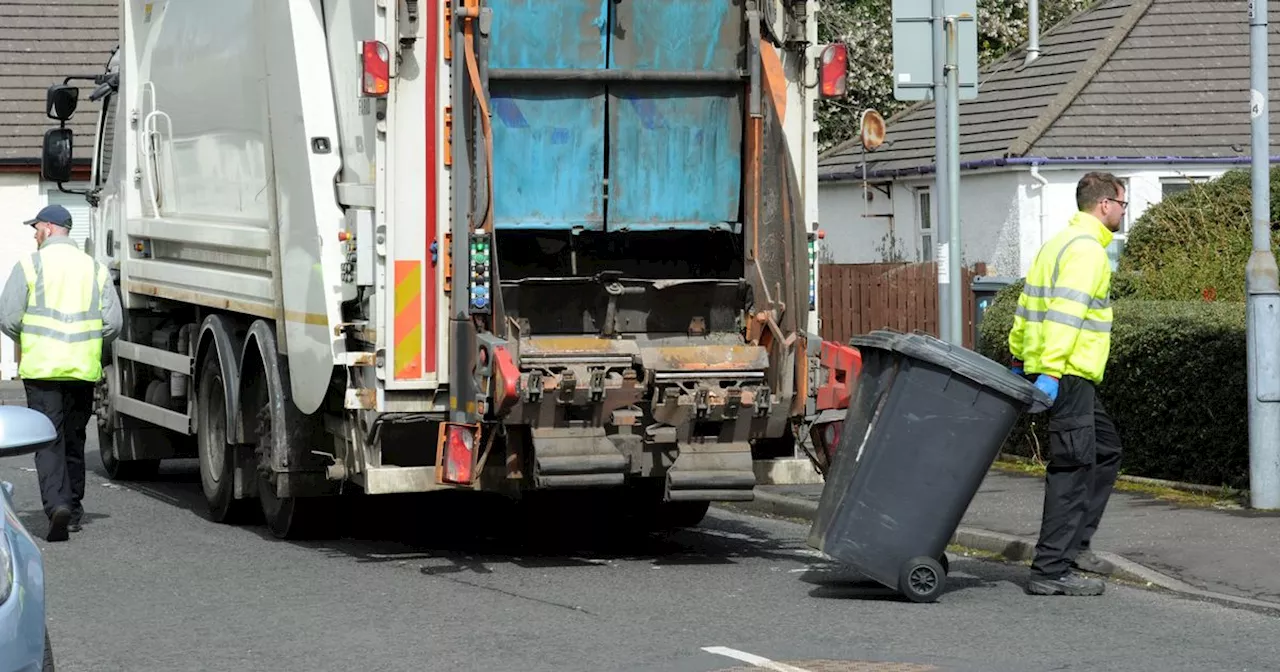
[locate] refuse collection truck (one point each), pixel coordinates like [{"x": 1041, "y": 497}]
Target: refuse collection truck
[{"x": 391, "y": 246}]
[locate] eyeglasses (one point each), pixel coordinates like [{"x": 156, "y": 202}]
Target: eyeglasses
[{"x": 1123, "y": 204}]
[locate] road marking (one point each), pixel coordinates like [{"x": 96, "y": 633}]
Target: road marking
[{"x": 751, "y": 659}]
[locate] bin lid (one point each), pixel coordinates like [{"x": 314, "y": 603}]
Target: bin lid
[
  {"x": 989, "y": 282},
  {"x": 880, "y": 338},
  {"x": 963, "y": 361}
]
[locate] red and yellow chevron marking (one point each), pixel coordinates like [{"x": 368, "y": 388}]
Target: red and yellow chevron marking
[{"x": 408, "y": 325}]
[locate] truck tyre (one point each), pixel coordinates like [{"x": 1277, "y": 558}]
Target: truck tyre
[
  {"x": 278, "y": 425},
  {"x": 681, "y": 514},
  {"x": 217, "y": 456},
  {"x": 114, "y": 433},
  {"x": 286, "y": 517}
]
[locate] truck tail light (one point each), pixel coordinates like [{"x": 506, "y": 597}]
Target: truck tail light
[
  {"x": 377, "y": 69},
  {"x": 458, "y": 454},
  {"x": 835, "y": 67}
]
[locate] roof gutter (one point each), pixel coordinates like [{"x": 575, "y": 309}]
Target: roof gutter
[{"x": 1043, "y": 161}]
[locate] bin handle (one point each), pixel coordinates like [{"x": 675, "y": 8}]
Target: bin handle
[{"x": 1040, "y": 402}]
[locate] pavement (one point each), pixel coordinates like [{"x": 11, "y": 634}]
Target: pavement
[
  {"x": 438, "y": 582},
  {"x": 1230, "y": 556},
  {"x": 448, "y": 581}
]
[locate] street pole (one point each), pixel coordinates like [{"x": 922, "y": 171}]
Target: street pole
[
  {"x": 941, "y": 195},
  {"x": 1263, "y": 319},
  {"x": 955, "y": 258}
]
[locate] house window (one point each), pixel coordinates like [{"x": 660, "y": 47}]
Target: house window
[
  {"x": 924, "y": 222},
  {"x": 1176, "y": 185},
  {"x": 1116, "y": 248}
]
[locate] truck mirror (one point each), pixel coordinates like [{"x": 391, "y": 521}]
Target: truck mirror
[
  {"x": 61, "y": 101},
  {"x": 55, "y": 159}
]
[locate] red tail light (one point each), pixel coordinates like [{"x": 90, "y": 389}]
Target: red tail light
[
  {"x": 377, "y": 69},
  {"x": 835, "y": 67},
  {"x": 458, "y": 456}
]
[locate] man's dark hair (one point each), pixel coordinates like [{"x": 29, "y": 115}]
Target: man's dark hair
[{"x": 1093, "y": 188}]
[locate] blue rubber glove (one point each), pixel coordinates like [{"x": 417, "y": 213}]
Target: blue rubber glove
[
  {"x": 1048, "y": 385},
  {"x": 1016, "y": 368}
]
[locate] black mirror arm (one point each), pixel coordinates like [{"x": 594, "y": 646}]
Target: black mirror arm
[
  {"x": 90, "y": 195},
  {"x": 84, "y": 78}
]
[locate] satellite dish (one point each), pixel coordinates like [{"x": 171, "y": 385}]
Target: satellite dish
[{"x": 872, "y": 129}]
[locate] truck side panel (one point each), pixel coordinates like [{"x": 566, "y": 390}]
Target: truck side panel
[
  {"x": 345, "y": 24},
  {"x": 413, "y": 188},
  {"x": 197, "y": 227},
  {"x": 237, "y": 129},
  {"x": 304, "y": 127}
]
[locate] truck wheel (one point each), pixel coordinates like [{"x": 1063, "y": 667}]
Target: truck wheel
[
  {"x": 281, "y": 432},
  {"x": 217, "y": 463},
  {"x": 112, "y": 435},
  {"x": 682, "y": 514},
  {"x": 286, "y": 517}
]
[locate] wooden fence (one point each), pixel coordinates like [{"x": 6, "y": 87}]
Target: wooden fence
[{"x": 856, "y": 299}]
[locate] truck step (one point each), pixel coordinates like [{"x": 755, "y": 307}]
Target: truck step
[
  {"x": 572, "y": 457},
  {"x": 712, "y": 472}
]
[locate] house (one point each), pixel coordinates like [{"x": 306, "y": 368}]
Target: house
[
  {"x": 1154, "y": 91},
  {"x": 41, "y": 43}
]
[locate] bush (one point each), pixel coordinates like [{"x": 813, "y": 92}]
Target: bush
[
  {"x": 1175, "y": 386},
  {"x": 1194, "y": 243}
]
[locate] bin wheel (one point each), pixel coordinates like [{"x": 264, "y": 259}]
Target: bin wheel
[
  {"x": 921, "y": 579},
  {"x": 946, "y": 564}
]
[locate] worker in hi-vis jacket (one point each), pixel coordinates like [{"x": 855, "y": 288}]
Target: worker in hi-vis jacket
[{"x": 1062, "y": 336}]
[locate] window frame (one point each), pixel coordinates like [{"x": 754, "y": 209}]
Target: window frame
[{"x": 923, "y": 199}]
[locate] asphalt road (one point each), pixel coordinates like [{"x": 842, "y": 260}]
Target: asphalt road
[{"x": 150, "y": 584}]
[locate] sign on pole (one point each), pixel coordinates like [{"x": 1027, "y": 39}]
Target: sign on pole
[
  {"x": 935, "y": 57},
  {"x": 913, "y": 52}
]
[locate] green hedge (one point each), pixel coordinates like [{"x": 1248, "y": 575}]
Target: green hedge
[
  {"x": 1194, "y": 243},
  {"x": 1175, "y": 385}
]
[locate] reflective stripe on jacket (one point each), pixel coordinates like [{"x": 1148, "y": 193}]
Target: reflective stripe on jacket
[
  {"x": 63, "y": 322},
  {"x": 1063, "y": 321}
]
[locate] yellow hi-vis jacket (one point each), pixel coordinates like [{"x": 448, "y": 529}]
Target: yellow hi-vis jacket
[
  {"x": 1063, "y": 321},
  {"x": 63, "y": 322}
]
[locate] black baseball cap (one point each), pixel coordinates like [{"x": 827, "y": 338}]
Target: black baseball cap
[{"x": 53, "y": 214}]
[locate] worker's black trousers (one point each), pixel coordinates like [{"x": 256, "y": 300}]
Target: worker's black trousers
[
  {"x": 1084, "y": 460},
  {"x": 60, "y": 465}
]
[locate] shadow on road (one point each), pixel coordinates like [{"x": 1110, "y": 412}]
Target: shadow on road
[
  {"x": 834, "y": 581},
  {"x": 469, "y": 532},
  {"x": 37, "y": 523}
]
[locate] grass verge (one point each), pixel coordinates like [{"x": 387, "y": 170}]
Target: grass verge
[{"x": 1227, "y": 498}]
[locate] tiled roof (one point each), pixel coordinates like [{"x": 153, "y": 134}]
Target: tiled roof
[
  {"x": 1124, "y": 78},
  {"x": 41, "y": 42}
]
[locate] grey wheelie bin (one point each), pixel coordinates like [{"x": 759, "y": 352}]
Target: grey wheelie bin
[{"x": 926, "y": 421}]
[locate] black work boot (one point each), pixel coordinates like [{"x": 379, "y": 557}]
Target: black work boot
[
  {"x": 58, "y": 522},
  {"x": 1089, "y": 561},
  {"x": 77, "y": 516},
  {"x": 1068, "y": 584}
]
